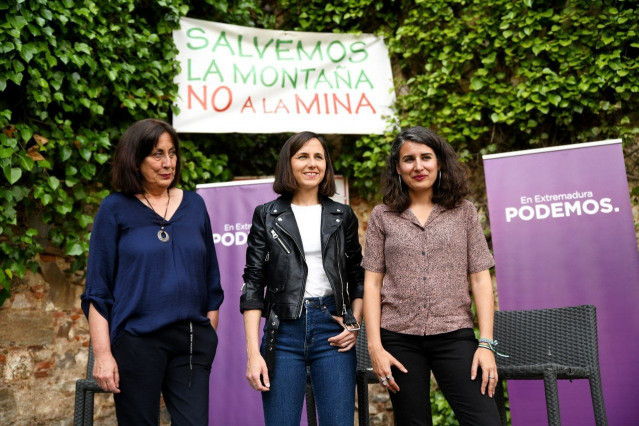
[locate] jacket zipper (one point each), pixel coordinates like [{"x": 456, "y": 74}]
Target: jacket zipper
[
  {"x": 279, "y": 240},
  {"x": 301, "y": 302},
  {"x": 339, "y": 271}
]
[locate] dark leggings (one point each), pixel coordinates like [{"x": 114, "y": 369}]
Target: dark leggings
[
  {"x": 160, "y": 362},
  {"x": 449, "y": 356}
]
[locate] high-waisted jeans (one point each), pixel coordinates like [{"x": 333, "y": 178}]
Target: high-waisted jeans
[{"x": 304, "y": 342}]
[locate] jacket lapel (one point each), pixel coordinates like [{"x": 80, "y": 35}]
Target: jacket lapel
[
  {"x": 332, "y": 218},
  {"x": 284, "y": 218}
]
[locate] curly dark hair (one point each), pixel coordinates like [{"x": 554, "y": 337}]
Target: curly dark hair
[
  {"x": 285, "y": 183},
  {"x": 449, "y": 189}
]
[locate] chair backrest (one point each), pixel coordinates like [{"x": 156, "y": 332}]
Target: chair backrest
[
  {"x": 565, "y": 336},
  {"x": 90, "y": 362},
  {"x": 361, "y": 348}
]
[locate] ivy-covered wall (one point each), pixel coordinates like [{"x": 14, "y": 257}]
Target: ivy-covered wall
[{"x": 490, "y": 76}]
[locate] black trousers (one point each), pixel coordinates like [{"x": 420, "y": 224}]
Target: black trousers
[
  {"x": 450, "y": 357},
  {"x": 163, "y": 362}
]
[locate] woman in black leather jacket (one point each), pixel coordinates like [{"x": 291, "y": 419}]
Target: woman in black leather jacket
[{"x": 303, "y": 249}]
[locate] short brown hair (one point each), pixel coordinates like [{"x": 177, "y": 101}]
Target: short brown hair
[
  {"x": 136, "y": 144},
  {"x": 285, "y": 183},
  {"x": 451, "y": 186}
]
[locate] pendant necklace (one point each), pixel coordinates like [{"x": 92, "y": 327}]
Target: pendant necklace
[{"x": 162, "y": 234}]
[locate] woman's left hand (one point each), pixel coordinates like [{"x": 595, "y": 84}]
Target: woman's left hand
[
  {"x": 345, "y": 340},
  {"x": 485, "y": 359}
]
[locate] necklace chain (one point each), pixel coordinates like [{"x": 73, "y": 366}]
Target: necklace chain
[{"x": 162, "y": 234}]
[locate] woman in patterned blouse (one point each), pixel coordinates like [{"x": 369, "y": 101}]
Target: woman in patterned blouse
[{"x": 422, "y": 246}]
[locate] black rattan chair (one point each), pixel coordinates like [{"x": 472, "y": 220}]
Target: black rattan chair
[
  {"x": 364, "y": 376},
  {"x": 84, "y": 391},
  {"x": 550, "y": 344}
]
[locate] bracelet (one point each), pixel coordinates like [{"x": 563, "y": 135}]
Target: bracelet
[{"x": 491, "y": 345}]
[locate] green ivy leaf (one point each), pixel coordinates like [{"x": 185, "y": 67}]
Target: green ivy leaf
[
  {"x": 53, "y": 182},
  {"x": 85, "y": 220},
  {"x": 476, "y": 83},
  {"x": 74, "y": 249},
  {"x": 85, "y": 153},
  {"x": 65, "y": 153},
  {"x": 46, "y": 199},
  {"x": 101, "y": 158},
  {"x": 12, "y": 174}
]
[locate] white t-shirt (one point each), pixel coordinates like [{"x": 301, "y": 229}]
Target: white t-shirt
[{"x": 309, "y": 223}]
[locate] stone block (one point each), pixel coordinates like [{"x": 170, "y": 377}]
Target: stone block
[
  {"x": 7, "y": 406},
  {"x": 380, "y": 420},
  {"x": 25, "y": 328},
  {"x": 65, "y": 361},
  {"x": 62, "y": 293},
  {"x": 22, "y": 301},
  {"x": 380, "y": 396},
  {"x": 40, "y": 353},
  {"x": 19, "y": 366}
]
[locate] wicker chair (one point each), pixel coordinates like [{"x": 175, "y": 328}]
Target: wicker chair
[
  {"x": 364, "y": 376},
  {"x": 550, "y": 344},
  {"x": 84, "y": 391}
]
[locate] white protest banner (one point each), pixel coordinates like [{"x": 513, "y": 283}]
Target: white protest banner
[{"x": 248, "y": 80}]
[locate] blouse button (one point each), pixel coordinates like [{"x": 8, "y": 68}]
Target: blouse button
[{"x": 279, "y": 219}]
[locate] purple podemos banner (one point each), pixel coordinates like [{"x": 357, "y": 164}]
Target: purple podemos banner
[
  {"x": 230, "y": 206},
  {"x": 563, "y": 235}
]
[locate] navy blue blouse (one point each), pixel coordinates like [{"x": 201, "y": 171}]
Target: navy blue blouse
[{"x": 139, "y": 283}]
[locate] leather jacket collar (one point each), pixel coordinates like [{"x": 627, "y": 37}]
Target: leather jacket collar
[{"x": 332, "y": 218}]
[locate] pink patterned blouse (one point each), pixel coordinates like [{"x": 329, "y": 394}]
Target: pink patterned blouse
[{"x": 426, "y": 289}]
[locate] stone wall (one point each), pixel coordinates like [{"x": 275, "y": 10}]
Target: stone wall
[{"x": 44, "y": 342}]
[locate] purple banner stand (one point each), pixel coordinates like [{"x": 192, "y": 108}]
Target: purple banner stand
[
  {"x": 563, "y": 235},
  {"x": 230, "y": 206}
]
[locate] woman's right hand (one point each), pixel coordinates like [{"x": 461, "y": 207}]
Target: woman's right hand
[
  {"x": 382, "y": 362},
  {"x": 256, "y": 371},
  {"x": 105, "y": 373}
]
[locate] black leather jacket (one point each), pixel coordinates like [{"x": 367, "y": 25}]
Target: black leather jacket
[{"x": 275, "y": 259}]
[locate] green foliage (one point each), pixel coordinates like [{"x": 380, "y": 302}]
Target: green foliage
[
  {"x": 441, "y": 411},
  {"x": 73, "y": 76},
  {"x": 495, "y": 76},
  {"x": 502, "y": 75}
]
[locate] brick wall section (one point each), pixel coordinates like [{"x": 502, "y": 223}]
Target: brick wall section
[{"x": 43, "y": 347}]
